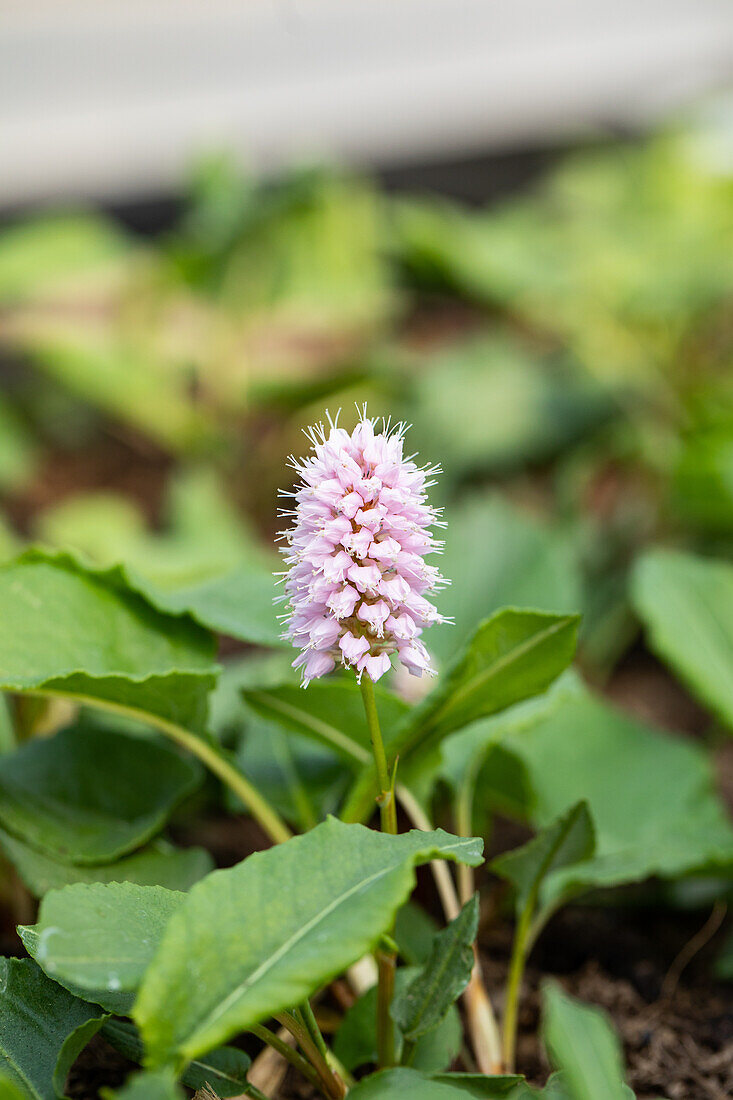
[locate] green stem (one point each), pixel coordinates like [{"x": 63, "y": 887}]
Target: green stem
[
  {"x": 386, "y": 960},
  {"x": 328, "y": 1082},
  {"x": 387, "y": 808},
  {"x": 297, "y": 1061},
  {"x": 304, "y": 1013},
  {"x": 464, "y": 827},
  {"x": 215, "y": 759},
  {"x": 514, "y": 984},
  {"x": 408, "y": 1051}
]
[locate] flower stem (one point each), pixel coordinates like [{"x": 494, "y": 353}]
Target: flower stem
[
  {"x": 386, "y": 800},
  {"x": 386, "y": 960},
  {"x": 514, "y": 984}
]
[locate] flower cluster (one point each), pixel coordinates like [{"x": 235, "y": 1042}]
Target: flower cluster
[{"x": 357, "y": 574}]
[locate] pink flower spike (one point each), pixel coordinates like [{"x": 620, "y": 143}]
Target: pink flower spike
[
  {"x": 357, "y": 579},
  {"x": 375, "y": 667},
  {"x": 353, "y": 648}
]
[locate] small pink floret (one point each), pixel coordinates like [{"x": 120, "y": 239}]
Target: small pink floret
[{"x": 357, "y": 577}]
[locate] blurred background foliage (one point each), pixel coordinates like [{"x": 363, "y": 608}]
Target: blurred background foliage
[{"x": 565, "y": 354}]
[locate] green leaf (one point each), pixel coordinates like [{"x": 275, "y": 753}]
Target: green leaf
[
  {"x": 158, "y": 1084},
  {"x": 477, "y": 1084},
  {"x": 414, "y": 932},
  {"x": 92, "y": 795},
  {"x": 206, "y": 564},
  {"x": 345, "y": 884},
  {"x": 7, "y": 728},
  {"x": 674, "y": 826},
  {"x": 581, "y": 1043},
  {"x": 43, "y": 1029},
  {"x": 18, "y": 452},
  {"x": 686, "y": 604},
  {"x": 301, "y": 779},
  {"x": 570, "y": 839},
  {"x": 36, "y": 254},
  {"x": 496, "y": 556},
  {"x": 512, "y": 656},
  {"x": 514, "y": 405},
  {"x": 10, "y": 1091},
  {"x": 556, "y": 1089},
  {"x": 424, "y": 1003},
  {"x": 463, "y": 753},
  {"x": 157, "y": 864},
  {"x": 409, "y": 1084},
  {"x": 100, "y": 938},
  {"x": 225, "y": 1069},
  {"x": 356, "y": 1040},
  {"x": 331, "y": 712},
  {"x": 69, "y": 630}
]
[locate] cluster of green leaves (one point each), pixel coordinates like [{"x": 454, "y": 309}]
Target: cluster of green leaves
[
  {"x": 130, "y": 926},
  {"x": 599, "y": 359}
]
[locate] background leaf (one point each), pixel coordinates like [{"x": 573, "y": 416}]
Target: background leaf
[
  {"x": 92, "y": 795},
  {"x": 224, "y": 1069},
  {"x": 497, "y": 556},
  {"x": 581, "y": 1042},
  {"x": 72, "y": 631},
  {"x": 568, "y": 840},
  {"x": 43, "y": 1028},
  {"x": 356, "y": 1039},
  {"x": 668, "y": 825},
  {"x": 151, "y": 1085},
  {"x": 686, "y": 604},
  {"x": 156, "y": 864},
  {"x": 331, "y": 712}
]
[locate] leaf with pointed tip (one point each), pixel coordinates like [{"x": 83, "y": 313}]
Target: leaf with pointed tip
[
  {"x": 356, "y": 1040},
  {"x": 157, "y": 864},
  {"x": 71, "y": 630},
  {"x": 424, "y": 1003},
  {"x": 511, "y": 656},
  {"x": 568, "y": 840},
  {"x": 686, "y": 604},
  {"x": 91, "y": 795},
  {"x": 43, "y": 1029},
  {"x": 344, "y": 886},
  {"x": 100, "y": 938},
  {"x": 582, "y": 1044}
]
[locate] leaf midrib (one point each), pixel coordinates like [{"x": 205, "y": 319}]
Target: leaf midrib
[
  {"x": 330, "y": 733},
  {"x": 498, "y": 666},
  {"x": 221, "y": 1009}
]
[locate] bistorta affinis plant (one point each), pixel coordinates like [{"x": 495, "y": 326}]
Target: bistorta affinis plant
[{"x": 357, "y": 580}]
